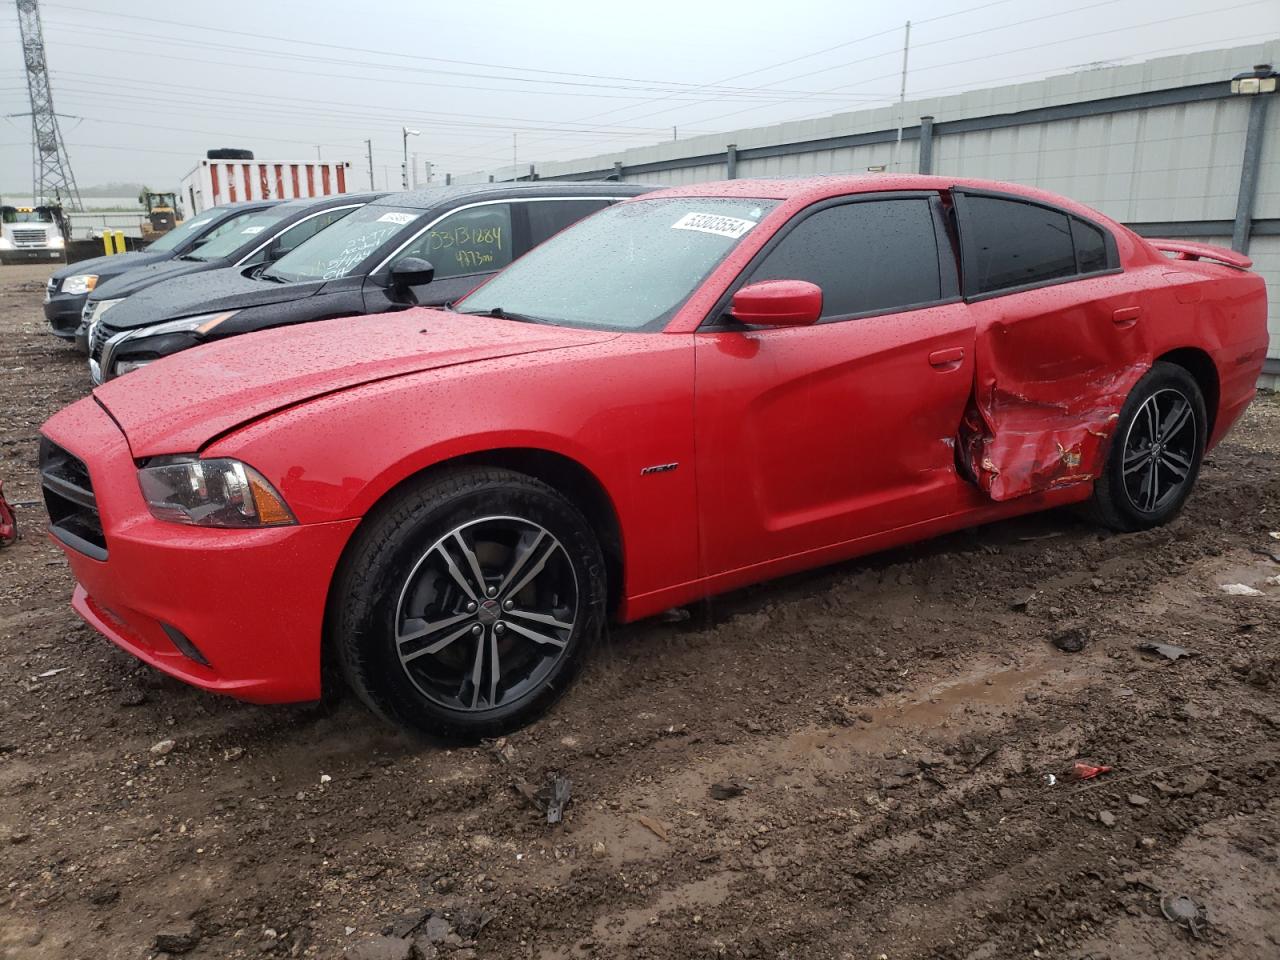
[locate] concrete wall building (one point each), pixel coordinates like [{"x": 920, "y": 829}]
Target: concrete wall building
[{"x": 1164, "y": 146}]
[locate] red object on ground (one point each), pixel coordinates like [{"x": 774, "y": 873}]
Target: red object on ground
[
  {"x": 1087, "y": 771},
  {"x": 714, "y": 455},
  {"x": 8, "y": 523}
]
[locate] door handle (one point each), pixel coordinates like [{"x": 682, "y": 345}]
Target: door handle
[
  {"x": 1126, "y": 316},
  {"x": 946, "y": 359}
]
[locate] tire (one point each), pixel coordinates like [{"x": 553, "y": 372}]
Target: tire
[
  {"x": 228, "y": 153},
  {"x": 1129, "y": 502},
  {"x": 412, "y": 629}
]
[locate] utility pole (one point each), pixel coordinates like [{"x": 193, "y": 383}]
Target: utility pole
[
  {"x": 902, "y": 97},
  {"x": 413, "y": 176},
  {"x": 405, "y": 133},
  {"x": 51, "y": 174},
  {"x": 318, "y": 157},
  {"x": 369, "y": 147},
  {"x": 515, "y": 166},
  {"x": 673, "y": 132}
]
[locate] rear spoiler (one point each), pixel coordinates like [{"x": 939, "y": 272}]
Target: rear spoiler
[{"x": 1186, "y": 250}]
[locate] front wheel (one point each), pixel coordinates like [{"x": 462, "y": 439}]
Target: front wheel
[
  {"x": 467, "y": 601},
  {"x": 1155, "y": 453}
]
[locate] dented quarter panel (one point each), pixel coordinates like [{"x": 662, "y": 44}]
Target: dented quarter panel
[{"x": 1055, "y": 365}]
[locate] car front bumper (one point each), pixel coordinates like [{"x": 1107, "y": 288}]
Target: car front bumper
[
  {"x": 251, "y": 602},
  {"x": 63, "y": 311}
]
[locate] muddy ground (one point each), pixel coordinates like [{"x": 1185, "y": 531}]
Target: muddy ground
[{"x": 892, "y": 724}]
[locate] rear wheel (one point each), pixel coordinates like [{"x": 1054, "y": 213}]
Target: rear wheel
[
  {"x": 1155, "y": 453},
  {"x": 466, "y": 602}
]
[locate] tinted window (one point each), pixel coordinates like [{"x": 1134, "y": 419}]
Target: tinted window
[
  {"x": 549, "y": 217},
  {"x": 1010, "y": 244},
  {"x": 470, "y": 241},
  {"x": 870, "y": 256},
  {"x": 1091, "y": 247}
]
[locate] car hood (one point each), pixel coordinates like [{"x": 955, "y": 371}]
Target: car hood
[
  {"x": 174, "y": 297},
  {"x": 181, "y": 403},
  {"x": 107, "y": 267},
  {"x": 148, "y": 275}
]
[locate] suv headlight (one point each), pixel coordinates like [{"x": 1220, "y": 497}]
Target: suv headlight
[
  {"x": 94, "y": 309},
  {"x": 201, "y": 324},
  {"x": 80, "y": 283},
  {"x": 211, "y": 493}
]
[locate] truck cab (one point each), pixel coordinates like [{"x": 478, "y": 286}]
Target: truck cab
[{"x": 31, "y": 234}]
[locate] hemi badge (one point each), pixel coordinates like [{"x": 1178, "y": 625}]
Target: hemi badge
[{"x": 659, "y": 468}]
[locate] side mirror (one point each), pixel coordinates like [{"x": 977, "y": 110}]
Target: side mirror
[
  {"x": 275, "y": 253},
  {"x": 411, "y": 272},
  {"x": 778, "y": 303}
]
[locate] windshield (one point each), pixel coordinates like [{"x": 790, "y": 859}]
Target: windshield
[
  {"x": 233, "y": 235},
  {"x": 194, "y": 227},
  {"x": 28, "y": 216},
  {"x": 338, "y": 250},
  {"x": 629, "y": 267}
]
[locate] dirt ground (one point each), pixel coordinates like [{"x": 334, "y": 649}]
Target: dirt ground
[{"x": 886, "y": 729}]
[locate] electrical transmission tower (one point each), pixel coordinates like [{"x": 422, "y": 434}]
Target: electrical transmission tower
[{"x": 51, "y": 176}]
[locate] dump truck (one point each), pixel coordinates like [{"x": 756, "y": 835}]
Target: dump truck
[{"x": 230, "y": 175}]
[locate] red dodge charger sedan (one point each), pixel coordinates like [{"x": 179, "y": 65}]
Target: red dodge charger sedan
[{"x": 687, "y": 392}]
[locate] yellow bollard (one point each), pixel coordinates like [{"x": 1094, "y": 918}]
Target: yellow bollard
[
  {"x": 119, "y": 234},
  {"x": 107, "y": 245}
]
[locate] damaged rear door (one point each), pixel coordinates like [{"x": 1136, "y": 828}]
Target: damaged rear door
[{"x": 1061, "y": 339}]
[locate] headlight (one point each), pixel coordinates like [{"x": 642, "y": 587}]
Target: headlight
[
  {"x": 94, "y": 309},
  {"x": 80, "y": 283},
  {"x": 202, "y": 324},
  {"x": 211, "y": 493},
  {"x": 6, "y": 243},
  {"x": 122, "y": 367},
  {"x": 57, "y": 243}
]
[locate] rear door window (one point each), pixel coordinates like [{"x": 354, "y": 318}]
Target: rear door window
[
  {"x": 1008, "y": 243},
  {"x": 872, "y": 256}
]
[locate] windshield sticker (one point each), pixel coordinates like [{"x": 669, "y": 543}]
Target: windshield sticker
[
  {"x": 731, "y": 227},
  {"x": 252, "y": 230},
  {"x": 400, "y": 218}
]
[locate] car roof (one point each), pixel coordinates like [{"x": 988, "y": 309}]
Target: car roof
[
  {"x": 289, "y": 207},
  {"x": 804, "y": 190},
  {"x": 473, "y": 193}
]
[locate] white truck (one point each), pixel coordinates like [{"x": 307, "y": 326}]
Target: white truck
[
  {"x": 228, "y": 176},
  {"x": 32, "y": 234}
]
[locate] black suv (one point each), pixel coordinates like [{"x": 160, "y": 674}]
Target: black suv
[
  {"x": 427, "y": 247},
  {"x": 69, "y": 287},
  {"x": 259, "y": 239}
]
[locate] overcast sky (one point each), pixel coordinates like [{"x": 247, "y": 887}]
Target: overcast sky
[{"x": 151, "y": 84}]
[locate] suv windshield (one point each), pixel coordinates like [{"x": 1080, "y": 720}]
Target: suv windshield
[
  {"x": 231, "y": 237},
  {"x": 629, "y": 267},
  {"x": 185, "y": 231},
  {"x": 337, "y": 250}
]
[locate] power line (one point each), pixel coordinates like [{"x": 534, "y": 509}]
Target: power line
[
  {"x": 206, "y": 28},
  {"x": 993, "y": 55}
]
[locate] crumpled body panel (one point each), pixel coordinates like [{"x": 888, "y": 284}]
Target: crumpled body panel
[
  {"x": 1016, "y": 445},
  {"x": 1049, "y": 381}
]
